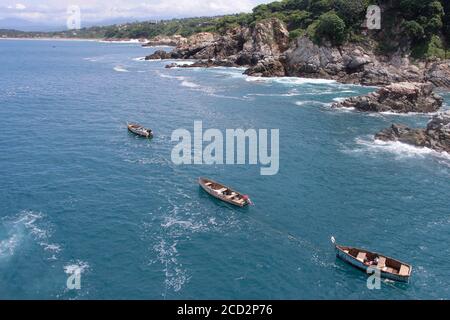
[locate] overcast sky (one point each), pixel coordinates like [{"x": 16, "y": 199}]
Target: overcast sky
[{"x": 54, "y": 11}]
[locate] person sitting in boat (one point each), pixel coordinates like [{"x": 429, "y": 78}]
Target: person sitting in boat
[{"x": 373, "y": 262}]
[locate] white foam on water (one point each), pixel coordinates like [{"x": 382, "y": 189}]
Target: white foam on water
[
  {"x": 186, "y": 82},
  {"x": 120, "y": 69},
  {"x": 27, "y": 225},
  {"x": 290, "y": 80},
  {"x": 139, "y": 59},
  {"x": 339, "y": 99},
  {"x": 121, "y": 41},
  {"x": 175, "y": 275},
  {"x": 289, "y": 94},
  {"x": 345, "y": 109},
  {"x": 185, "y": 224},
  {"x": 74, "y": 266},
  {"x": 408, "y": 114},
  {"x": 189, "y": 84},
  {"x": 399, "y": 149},
  {"x": 93, "y": 59},
  {"x": 182, "y": 63},
  {"x": 9, "y": 245},
  {"x": 179, "y": 219},
  {"x": 309, "y": 102}
]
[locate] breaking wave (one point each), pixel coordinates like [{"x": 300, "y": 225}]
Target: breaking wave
[
  {"x": 186, "y": 82},
  {"x": 182, "y": 63},
  {"x": 189, "y": 84},
  {"x": 398, "y": 149},
  {"x": 289, "y": 80},
  {"x": 311, "y": 102}
]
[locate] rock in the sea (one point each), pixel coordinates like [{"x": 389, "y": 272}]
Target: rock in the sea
[
  {"x": 269, "y": 67},
  {"x": 435, "y": 136},
  {"x": 159, "y": 55},
  {"x": 400, "y": 97}
]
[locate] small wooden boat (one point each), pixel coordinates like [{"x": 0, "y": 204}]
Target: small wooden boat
[
  {"x": 224, "y": 193},
  {"x": 362, "y": 259},
  {"x": 140, "y": 130}
]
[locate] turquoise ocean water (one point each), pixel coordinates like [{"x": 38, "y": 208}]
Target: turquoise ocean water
[{"x": 77, "y": 190}]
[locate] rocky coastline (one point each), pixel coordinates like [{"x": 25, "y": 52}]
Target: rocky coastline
[
  {"x": 435, "y": 136},
  {"x": 266, "y": 50}
]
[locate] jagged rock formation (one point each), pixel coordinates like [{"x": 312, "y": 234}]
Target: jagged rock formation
[
  {"x": 435, "y": 136},
  {"x": 400, "y": 97},
  {"x": 268, "y": 67},
  {"x": 159, "y": 55},
  {"x": 350, "y": 63},
  {"x": 439, "y": 74},
  {"x": 239, "y": 46}
]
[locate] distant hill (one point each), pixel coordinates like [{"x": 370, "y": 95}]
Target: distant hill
[{"x": 27, "y": 26}]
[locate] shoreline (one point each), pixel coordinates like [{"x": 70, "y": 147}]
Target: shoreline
[{"x": 136, "y": 41}]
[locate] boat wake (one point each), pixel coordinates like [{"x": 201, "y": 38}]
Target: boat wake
[{"x": 179, "y": 219}]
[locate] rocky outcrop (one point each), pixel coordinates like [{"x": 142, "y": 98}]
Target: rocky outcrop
[
  {"x": 439, "y": 74},
  {"x": 172, "y": 41},
  {"x": 242, "y": 46},
  {"x": 269, "y": 38},
  {"x": 435, "y": 136},
  {"x": 268, "y": 67},
  {"x": 401, "y": 97},
  {"x": 265, "y": 48},
  {"x": 351, "y": 63},
  {"x": 159, "y": 55}
]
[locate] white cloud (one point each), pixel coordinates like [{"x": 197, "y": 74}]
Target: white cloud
[
  {"x": 20, "y": 6},
  {"x": 55, "y": 11}
]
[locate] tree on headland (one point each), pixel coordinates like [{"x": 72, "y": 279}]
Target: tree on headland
[{"x": 330, "y": 27}]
